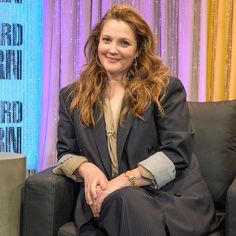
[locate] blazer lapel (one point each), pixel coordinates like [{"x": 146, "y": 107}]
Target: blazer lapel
[
  {"x": 122, "y": 134},
  {"x": 99, "y": 132}
]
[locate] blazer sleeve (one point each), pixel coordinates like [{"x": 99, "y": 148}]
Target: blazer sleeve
[
  {"x": 67, "y": 146},
  {"x": 175, "y": 136}
]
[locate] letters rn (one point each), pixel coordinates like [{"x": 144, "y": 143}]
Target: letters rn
[
  {"x": 10, "y": 59},
  {"x": 10, "y": 136},
  {"x": 11, "y": 112}
]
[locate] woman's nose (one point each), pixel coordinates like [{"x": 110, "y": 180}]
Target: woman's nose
[{"x": 113, "y": 49}]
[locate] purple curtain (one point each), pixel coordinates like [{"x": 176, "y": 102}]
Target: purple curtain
[{"x": 66, "y": 26}]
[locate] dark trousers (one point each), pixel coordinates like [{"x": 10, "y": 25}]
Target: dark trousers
[{"x": 128, "y": 212}]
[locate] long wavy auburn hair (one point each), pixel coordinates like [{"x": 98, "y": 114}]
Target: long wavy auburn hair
[{"x": 147, "y": 78}]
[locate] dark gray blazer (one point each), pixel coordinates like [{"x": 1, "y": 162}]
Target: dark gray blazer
[{"x": 185, "y": 201}]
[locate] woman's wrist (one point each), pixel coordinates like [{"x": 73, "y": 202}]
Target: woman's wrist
[
  {"x": 130, "y": 174},
  {"x": 134, "y": 178},
  {"x": 80, "y": 171}
]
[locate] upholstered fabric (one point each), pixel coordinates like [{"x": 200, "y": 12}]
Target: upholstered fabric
[
  {"x": 215, "y": 144},
  {"x": 218, "y": 233},
  {"x": 67, "y": 229},
  {"x": 230, "y": 212},
  {"x": 49, "y": 201},
  {"x": 12, "y": 176}
]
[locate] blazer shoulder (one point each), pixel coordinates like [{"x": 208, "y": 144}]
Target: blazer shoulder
[
  {"x": 174, "y": 91},
  {"x": 175, "y": 86},
  {"x": 68, "y": 91},
  {"x": 174, "y": 82}
]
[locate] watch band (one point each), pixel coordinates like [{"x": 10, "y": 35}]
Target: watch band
[{"x": 131, "y": 177}]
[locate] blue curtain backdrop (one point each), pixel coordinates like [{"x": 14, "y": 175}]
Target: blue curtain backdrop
[{"x": 20, "y": 77}]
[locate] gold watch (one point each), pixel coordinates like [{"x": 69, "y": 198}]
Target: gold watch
[{"x": 131, "y": 177}]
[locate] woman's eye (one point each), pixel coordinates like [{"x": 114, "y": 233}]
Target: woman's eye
[
  {"x": 106, "y": 40},
  {"x": 124, "y": 43}
]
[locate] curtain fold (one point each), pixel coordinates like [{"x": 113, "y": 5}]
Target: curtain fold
[
  {"x": 185, "y": 36},
  {"x": 68, "y": 24},
  {"x": 211, "y": 46},
  {"x": 222, "y": 42},
  {"x": 203, "y": 52},
  {"x": 220, "y": 54},
  {"x": 196, "y": 51},
  {"x": 221, "y": 50},
  {"x": 196, "y": 39},
  {"x": 51, "y": 75},
  {"x": 232, "y": 77}
]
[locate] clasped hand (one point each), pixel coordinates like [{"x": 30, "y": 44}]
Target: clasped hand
[{"x": 97, "y": 186}]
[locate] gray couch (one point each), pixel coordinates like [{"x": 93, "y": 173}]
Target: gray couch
[{"x": 49, "y": 199}]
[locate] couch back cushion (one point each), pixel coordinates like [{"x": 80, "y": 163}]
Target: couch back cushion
[{"x": 215, "y": 144}]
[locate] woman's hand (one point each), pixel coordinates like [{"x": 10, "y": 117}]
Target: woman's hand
[
  {"x": 112, "y": 186},
  {"x": 118, "y": 182},
  {"x": 94, "y": 178}
]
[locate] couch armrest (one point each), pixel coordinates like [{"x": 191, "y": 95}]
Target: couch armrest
[
  {"x": 48, "y": 203},
  {"x": 230, "y": 210}
]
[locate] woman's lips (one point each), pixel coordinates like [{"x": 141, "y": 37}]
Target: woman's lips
[{"x": 111, "y": 59}]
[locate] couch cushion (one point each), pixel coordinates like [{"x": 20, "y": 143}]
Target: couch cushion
[
  {"x": 67, "y": 229},
  {"x": 47, "y": 195},
  {"x": 218, "y": 233},
  {"x": 215, "y": 144}
]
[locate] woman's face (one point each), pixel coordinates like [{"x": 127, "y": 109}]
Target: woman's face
[{"x": 117, "y": 47}]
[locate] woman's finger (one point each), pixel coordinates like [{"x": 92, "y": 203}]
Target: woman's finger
[
  {"x": 87, "y": 195},
  {"x": 93, "y": 210},
  {"x": 93, "y": 190},
  {"x": 103, "y": 183}
]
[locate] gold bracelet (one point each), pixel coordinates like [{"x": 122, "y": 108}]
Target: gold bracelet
[{"x": 131, "y": 177}]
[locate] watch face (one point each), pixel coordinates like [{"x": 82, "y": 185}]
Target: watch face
[
  {"x": 130, "y": 174},
  {"x": 131, "y": 177}
]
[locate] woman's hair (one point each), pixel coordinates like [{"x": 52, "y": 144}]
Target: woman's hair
[{"x": 146, "y": 78}]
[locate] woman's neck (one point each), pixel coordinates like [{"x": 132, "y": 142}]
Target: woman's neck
[{"x": 115, "y": 88}]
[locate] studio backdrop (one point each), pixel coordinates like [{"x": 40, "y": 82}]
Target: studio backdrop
[
  {"x": 41, "y": 51},
  {"x": 20, "y": 77},
  {"x": 195, "y": 38}
]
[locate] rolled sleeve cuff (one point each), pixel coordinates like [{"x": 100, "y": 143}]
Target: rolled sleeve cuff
[
  {"x": 147, "y": 175},
  {"x": 68, "y": 165},
  {"x": 161, "y": 167}
]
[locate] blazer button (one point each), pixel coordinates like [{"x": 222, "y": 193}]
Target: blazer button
[
  {"x": 81, "y": 151},
  {"x": 177, "y": 194},
  {"x": 150, "y": 148}
]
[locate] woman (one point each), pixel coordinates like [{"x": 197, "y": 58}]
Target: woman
[{"x": 124, "y": 130}]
